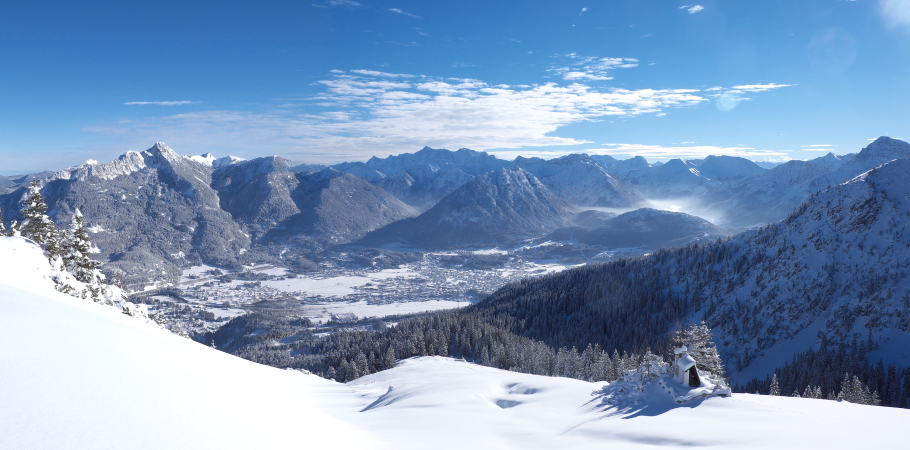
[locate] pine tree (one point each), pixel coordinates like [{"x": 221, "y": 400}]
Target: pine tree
[
  {"x": 775, "y": 386},
  {"x": 76, "y": 248},
  {"x": 37, "y": 226},
  {"x": 2, "y": 226},
  {"x": 389, "y": 361}
]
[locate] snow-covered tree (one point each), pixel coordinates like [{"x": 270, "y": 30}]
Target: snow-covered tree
[
  {"x": 36, "y": 225},
  {"x": 76, "y": 248},
  {"x": 2, "y": 226},
  {"x": 699, "y": 341},
  {"x": 775, "y": 386},
  {"x": 13, "y": 229}
]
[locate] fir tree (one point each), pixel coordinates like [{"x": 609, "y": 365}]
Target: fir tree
[
  {"x": 2, "y": 226},
  {"x": 36, "y": 225},
  {"x": 75, "y": 251},
  {"x": 775, "y": 386}
]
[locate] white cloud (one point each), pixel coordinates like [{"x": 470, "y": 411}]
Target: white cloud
[
  {"x": 728, "y": 98},
  {"x": 166, "y": 103},
  {"x": 819, "y": 148},
  {"x": 330, "y": 3},
  {"x": 688, "y": 151},
  {"x": 583, "y": 10},
  {"x": 374, "y": 73},
  {"x": 399, "y": 11},
  {"x": 363, "y": 113},
  {"x": 591, "y": 68},
  {"x": 693, "y": 8}
]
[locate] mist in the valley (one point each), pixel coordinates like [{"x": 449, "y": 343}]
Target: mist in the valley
[{"x": 680, "y": 204}]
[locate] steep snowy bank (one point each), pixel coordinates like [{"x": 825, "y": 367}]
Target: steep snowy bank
[{"x": 74, "y": 374}]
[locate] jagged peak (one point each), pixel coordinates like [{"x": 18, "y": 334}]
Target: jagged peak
[{"x": 161, "y": 147}]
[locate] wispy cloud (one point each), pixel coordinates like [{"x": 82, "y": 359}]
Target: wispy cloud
[
  {"x": 819, "y": 148},
  {"x": 896, "y": 13},
  {"x": 363, "y": 113},
  {"x": 375, "y": 73},
  {"x": 728, "y": 98},
  {"x": 590, "y": 68},
  {"x": 693, "y": 8},
  {"x": 583, "y": 10},
  {"x": 166, "y": 103},
  {"x": 399, "y": 11},
  {"x": 330, "y": 3},
  {"x": 686, "y": 151}
]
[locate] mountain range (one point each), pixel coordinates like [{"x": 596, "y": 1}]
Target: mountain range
[{"x": 155, "y": 211}]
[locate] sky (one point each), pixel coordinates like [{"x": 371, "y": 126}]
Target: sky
[{"x": 325, "y": 81}]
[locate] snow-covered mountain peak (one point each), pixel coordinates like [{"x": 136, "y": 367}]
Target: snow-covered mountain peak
[
  {"x": 884, "y": 149},
  {"x": 205, "y": 158}
]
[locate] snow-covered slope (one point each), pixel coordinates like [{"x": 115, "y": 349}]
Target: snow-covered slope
[
  {"x": 676, "y": 178},
  {"x": 725, "y": 168},
  {"x": 583, "y": 182},
  {"x": 652, "y": 228},
  {"x": 76, "y": 375},
  {"x": 772, "y": 195},
  {"x": 441, "y": 403},
  {"x": 501, "y": 207}
]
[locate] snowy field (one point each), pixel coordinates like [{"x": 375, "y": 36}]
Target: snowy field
[
  {"x": 324, "y": 311},
  {"x": 77, "y": 375}
]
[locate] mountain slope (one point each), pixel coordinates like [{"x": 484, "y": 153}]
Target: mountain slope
[
  {"x": 583, "y": 182},
  {"x": 150, "y": 213},
  {"x": 500, "y": 207},
  {"x": 469, "y": 161},
  {"x": 836, "y": 270},
  {"x": 726, "y": 168},
  {"x": 336, "y": 208},
  {"x": 676, "y": 178},
  {"x": 257, "y": 193},
  {"x": 652, "y": 228},
  {"x": 772, "y": 195}
]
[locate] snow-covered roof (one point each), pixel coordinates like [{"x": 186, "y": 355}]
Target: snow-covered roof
[
  {"x": 682, "y": 349},
  {"x": 686, "y": 362}
]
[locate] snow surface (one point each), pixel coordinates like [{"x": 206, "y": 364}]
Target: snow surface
[{"x": 78, "y": 375}]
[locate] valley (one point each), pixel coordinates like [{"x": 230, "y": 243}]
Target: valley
[{"x": 348, "y": 288}]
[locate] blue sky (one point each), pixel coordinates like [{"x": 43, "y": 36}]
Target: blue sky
[{"x": 335, "y": 80}]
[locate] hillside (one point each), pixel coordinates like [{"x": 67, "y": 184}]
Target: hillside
[
  {"x": 652, "y": 228},
  {"x": 78, "y": 375},
  {"x": 129, "y": 384},
  {"x": 502, "y": 207},
  {"x": 768, "y": 294}
]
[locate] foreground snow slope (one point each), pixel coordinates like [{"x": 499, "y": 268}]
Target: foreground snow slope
[
  {"x": 76, "y": 375},
  {"x": 441, "y": 403}
]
